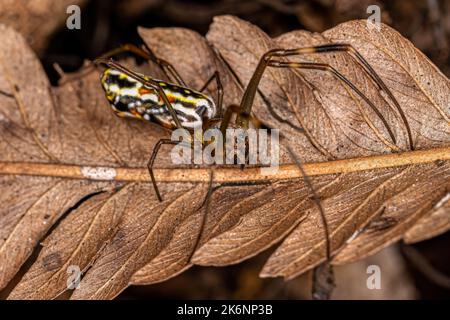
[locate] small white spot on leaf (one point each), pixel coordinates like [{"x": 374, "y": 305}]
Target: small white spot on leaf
[{"x": 99, "y": 173}]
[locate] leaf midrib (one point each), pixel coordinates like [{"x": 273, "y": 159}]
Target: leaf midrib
[{"x": 230, "y": 174}]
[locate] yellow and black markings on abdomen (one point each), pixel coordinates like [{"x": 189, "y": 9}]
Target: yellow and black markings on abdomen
[{"x": 130, "y": 98}]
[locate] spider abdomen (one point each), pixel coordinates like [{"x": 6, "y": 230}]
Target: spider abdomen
[{"x": 131, "y": 98}]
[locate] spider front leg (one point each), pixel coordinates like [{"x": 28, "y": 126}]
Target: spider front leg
[
  {"x": 339, "y": 76},
  {"x": 243, "y": 117},
  {"x": 272, "y": 59},
  {"x": 358, "y": 58},
  {"x": 148, "y": 54},
  {"x": 167, "y": 67}
]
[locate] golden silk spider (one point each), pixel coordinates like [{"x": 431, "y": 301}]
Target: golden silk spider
[{"x": 175, "y": 105}]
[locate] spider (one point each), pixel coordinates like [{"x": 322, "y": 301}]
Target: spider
[{"x": 175, "y": 105}]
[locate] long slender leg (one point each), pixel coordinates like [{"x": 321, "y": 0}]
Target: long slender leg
[
  {"x": 232, "y": 109},
  {"x": 323, "y": 277},
  {"x": 206, "y": 202},
  {"x": 348, "y": 48},
  {"x": 269, "y": 106},
  {"x": 307, "y": 181},
  {"x": 315, "y": 198},
  {"x": 268, "y": 60},
  {"x": 155, "y": 85},
  {"x": 216, "y": 76},
  {"x": 249, "y": 94},
  {"x": 152, "y": 159},
  {"x": 166, "y": 66},
  {"x": 338, "y": 75},
  {"x": 146, "y": 54},
  {"x": 168, "y": 141},
  {"x": 206, "y": 210},
  {"x": 227, "y": 118},
  {"x": 232, "y": 184}
]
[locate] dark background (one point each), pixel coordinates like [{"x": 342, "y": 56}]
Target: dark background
[{"x": 107, "y": 24}]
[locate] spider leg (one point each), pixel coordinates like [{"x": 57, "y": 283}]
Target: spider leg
[
  {"x": 225, "y": 122},
  {"x": 339, "y": 76},
  {"x": 166, "y": 66},
  {"x": 358, "y": 58},
  {"x": 216, "y": 77},
  {"x": 207, "y": 200},
  {"x": 206, "y": 210},
  {"x": 272, "y": 59},
  {"x": 155, "y": 85},
  {"x": 152, "y": 159},
  {"x": 227, "y": 118},
  {"x": 323, "y": 276},
  {"x": 147, "y": 54}
]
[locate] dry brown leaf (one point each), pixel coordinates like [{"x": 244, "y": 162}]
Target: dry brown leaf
[
  {"x": 68, "y": 162},
  {"x": 432, "y": 224},
  {"x": 76, "y": 240}
]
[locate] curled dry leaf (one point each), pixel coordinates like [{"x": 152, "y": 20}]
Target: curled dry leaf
[{"x": 73, "y": 175}]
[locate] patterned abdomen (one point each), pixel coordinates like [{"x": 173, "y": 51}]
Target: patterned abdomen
[{"x": 130, "y": 98}]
